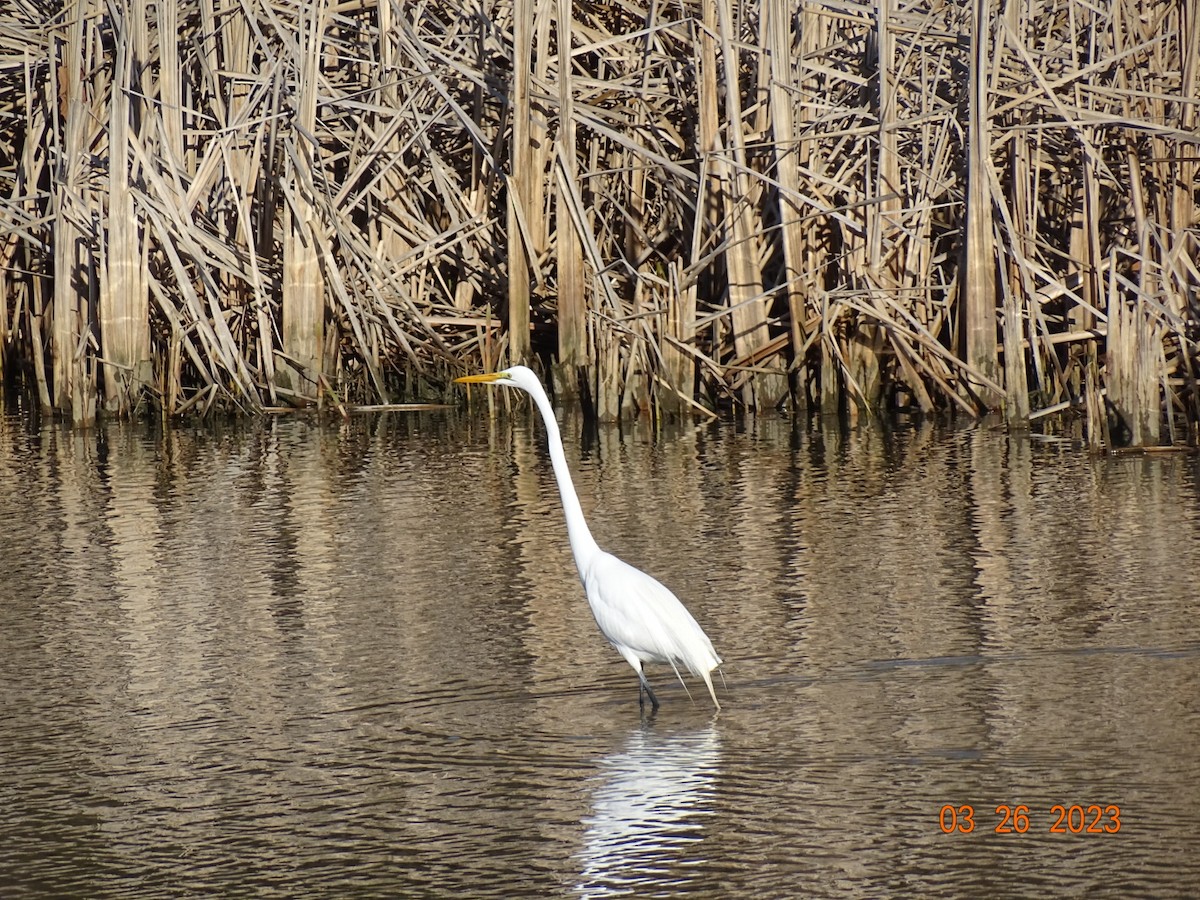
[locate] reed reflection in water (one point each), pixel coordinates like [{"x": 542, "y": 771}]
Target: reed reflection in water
[{"x": 295, "y": 658}]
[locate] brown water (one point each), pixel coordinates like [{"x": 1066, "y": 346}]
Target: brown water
[{"x": 299, "y": 659}]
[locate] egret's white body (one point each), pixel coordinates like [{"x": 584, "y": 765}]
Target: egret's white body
[{"x": 640, "y": 617}]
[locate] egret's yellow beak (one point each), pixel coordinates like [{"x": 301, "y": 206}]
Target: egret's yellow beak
[{"x": 485, "y": 378}]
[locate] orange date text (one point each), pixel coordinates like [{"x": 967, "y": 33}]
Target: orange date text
[{"x": 1092, "y": 818}]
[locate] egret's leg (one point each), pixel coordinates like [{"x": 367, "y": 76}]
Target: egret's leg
[
  {"x": 653, "y": 700},
  {"x": 644, "y": 686},
  {"x": 643, "y": 690}
]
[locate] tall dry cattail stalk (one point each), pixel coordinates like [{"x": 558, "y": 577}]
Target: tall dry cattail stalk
[
  {"x": 678, "y": 207},
  {"x": 571, "y": 295},
  {"x": 124, "y": 302},
  {"x": 978, "y": 286},
  {"x": 303, "y": 289}
]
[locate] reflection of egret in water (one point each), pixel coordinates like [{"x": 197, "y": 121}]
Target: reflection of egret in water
[{"x": 648, "y": 809}]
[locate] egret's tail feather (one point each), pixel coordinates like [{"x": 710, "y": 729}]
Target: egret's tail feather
[
  {"x": 681, "y": 681},
  {"x": 712, "y": 693}
]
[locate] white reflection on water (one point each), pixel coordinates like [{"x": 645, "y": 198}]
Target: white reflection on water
[{"x": 648, "y": 811}]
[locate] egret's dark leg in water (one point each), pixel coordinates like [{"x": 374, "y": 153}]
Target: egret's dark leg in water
[{"x": 643, "y": 689}]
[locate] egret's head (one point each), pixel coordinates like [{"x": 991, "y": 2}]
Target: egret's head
[{"x": 517, "y": 376}]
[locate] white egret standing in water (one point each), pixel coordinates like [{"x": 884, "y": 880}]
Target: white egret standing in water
[{"x": 640, "y": 617}]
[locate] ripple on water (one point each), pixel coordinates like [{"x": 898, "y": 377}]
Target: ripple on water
[{"x": 355, "y": 660}]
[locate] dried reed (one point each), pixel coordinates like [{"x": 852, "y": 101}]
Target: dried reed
[{"x": 687, "y": 205}]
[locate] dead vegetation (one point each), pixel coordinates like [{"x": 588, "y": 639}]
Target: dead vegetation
[{"x": 833, "y": 207}]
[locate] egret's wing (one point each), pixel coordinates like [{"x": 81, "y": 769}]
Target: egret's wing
[{"x": 636, "y": 611}]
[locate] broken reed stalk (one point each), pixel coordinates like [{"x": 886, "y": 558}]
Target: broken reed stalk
[{"x": 724, "y": 204}]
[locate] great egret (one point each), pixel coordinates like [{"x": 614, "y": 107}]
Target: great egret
[{"x": 643, "y": 620}]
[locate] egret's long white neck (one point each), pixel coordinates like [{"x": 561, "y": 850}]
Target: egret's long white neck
[{"x": 582, "y": 543}]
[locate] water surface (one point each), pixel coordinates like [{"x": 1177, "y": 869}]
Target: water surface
[{"x": 303, "y": 658}]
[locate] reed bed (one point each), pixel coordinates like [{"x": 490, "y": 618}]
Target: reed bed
[{"x": 674, "y": 207}]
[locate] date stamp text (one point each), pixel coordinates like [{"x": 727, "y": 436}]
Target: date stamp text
[{"x": 1092, "y": 818}]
